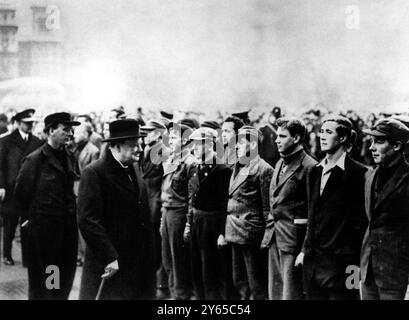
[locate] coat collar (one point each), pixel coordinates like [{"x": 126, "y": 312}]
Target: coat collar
[
  {"x": 240, "y": 175},
  {"x": 291, "y": 169},
  {"x": 370, "y": 176},
  {"x": 48, "y": 152},
  {"x": 18, "y": 140},
  {"x": 119, "y": 174}
]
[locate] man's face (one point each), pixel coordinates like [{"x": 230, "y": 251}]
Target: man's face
[
  {"x": 285, "y": 142},
  {"x": 382, "y": 150},
  {"x": 129, "y": 150},
  {"x": 202, "y": 149},
  {"x": 175, "y": 141},
  {"x": 330, "y": 141},
  {"x": 81, "y": 134},
  {"x": 61, "y": 135},
  {"x": 228, "y": 132},
  {"x": 26, "y": 127},
  {"x": 243, "y": 148}
]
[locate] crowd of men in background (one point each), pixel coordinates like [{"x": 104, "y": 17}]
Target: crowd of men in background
[{"x": 272, "y": 208}]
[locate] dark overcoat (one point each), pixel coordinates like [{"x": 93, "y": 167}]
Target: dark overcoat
[
  {"x": 12, "y": 151},
  {"x": 114, "y": 219},
  {"x": 44, "y": 194},
  {"x": 336, "y": 223},
  {"x": 386, "y": 240}
]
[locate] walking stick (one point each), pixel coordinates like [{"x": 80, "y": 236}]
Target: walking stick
[{"x": 101, "y": 286}]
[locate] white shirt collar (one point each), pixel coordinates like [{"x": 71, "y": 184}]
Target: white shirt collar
[
  {"x": 327, "y": 167},
  {"x": 23, "y": 134},
  {"x": 113, "y": 154}
]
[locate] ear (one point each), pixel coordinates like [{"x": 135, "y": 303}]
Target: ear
[
  {"x": 297, "y": 139},
  {"x": 342, "y": 139},
  {"x": 398, "y": 146}
]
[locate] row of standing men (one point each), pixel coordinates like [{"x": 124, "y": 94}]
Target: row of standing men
[{"x": 238, "y": 229}]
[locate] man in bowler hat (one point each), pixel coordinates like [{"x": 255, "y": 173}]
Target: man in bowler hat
[
  {"x": 114, "y": 219},
  {"x": 44, "y": 190}
]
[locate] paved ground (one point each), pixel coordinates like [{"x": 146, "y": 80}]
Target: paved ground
[{"x": 13, "y": 279}]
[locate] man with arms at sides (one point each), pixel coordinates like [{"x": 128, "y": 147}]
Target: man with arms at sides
[
  {"x": 114, "y": 219},
  {"x": 385, "y": 249},
  {"x": 248, "y": 208},
  {"x": 336, "y": 216},
  {"x": 175, "y": 201},
  {"x": 13, "y": 148},
  {"x": 208, "y": 194},
  {"x": 44, "y": 192},
  {"x": 287, "y": 221},
  {"x": 152, "y": 173},
  {"x": 230, "y": 128}
]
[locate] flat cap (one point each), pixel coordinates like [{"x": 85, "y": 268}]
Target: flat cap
[
  {"x": 204, "y": 133},
  {"x": 389, "y": 128},
  {"x": 153, "y": 125}
]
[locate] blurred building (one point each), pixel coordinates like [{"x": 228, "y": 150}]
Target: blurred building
[{"x": 31, "y": 40}]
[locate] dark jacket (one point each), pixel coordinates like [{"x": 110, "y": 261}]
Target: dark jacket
[
  {"x": 114, "y": 219},
  {"x": 288, "y": 201},
  {"x": 336, "y": 223},
  {"x": 12, "y": 151},
  {"x": 386, "y": 239},
  {"x": 43, "y": 187},
  {"x": 208, "y": 189},
  {"x": 152, "y": 174},
  {"x": 249, "y": 202}
]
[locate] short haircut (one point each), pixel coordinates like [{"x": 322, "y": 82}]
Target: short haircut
[
  {"x": 86, "y": 117},
  {"x": 53, "y": 126},
  {"x": 294, "y": 127},
  {"x": 238, "y": 123},
  {"x": 344, "y": 128}
]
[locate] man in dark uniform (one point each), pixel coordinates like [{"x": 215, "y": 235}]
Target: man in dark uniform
[
  {"x": 13, "y": 148},
  {"x": 44, "y": 190},
  {"x": 152, "y": 173},
  {"x": 114, "y": 219},
  {"x": 385, "y": 249},
  {"x": 208, "y": 195}
]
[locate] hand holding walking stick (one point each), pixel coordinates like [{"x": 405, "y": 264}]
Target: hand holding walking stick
[{"x": 110, "y": 270}]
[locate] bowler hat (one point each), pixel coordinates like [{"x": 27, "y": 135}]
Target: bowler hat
[
  {"x": 123, "y": 129},
  {"x": 59, "y": 117},
  {"x": 389, "y": 128},
  {"x": 25, "y": 116}
]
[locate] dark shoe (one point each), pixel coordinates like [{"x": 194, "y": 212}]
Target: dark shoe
[{"x": 8, "y": 261}]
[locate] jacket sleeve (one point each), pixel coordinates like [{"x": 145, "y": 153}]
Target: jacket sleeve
[
  {"x": 265, "y": 181},
  {"x": 25, "y": 185},
  {"x": 89, "y": 215},
  {"x": 308, "y": 185}
]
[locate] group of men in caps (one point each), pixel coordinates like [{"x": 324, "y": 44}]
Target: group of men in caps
[{"x": 199, "y": 214}]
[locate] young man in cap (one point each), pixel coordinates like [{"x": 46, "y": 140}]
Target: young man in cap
[
  {"x": 287, "y": 221},
  {"x": 154, "y": 155},
  {"x": 336, "y": 216},
  {"x": 44, "y": 191},
  {"x": 248, "y": 208},
  {"x": 114, "y": 219},
  {"x": 13, "y": 148},
  {"x": 208, "y": 195},
  {"x": 175, "y": 201},
  {"x": 385, "y": 249}
]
